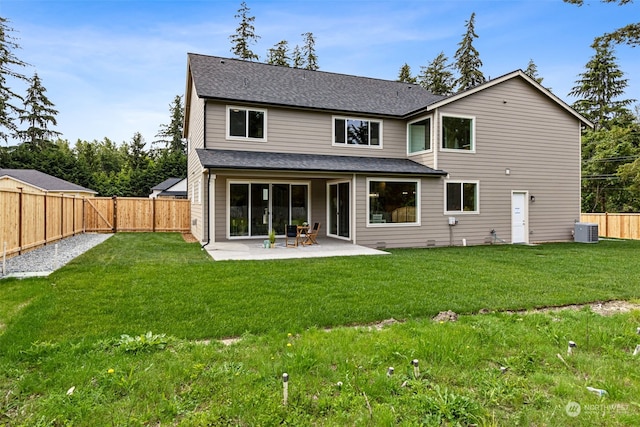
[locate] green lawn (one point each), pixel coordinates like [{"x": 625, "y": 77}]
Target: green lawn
[{"x": 65, "y": 330}]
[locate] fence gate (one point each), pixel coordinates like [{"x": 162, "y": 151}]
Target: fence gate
[{"x": 100, "y": 215}]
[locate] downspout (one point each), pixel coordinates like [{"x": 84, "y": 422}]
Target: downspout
[{"x": 207, "y": 213}]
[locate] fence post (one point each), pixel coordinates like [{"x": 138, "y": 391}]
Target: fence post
[
  {"x": 114, "y": 227},
  {"x": 20, "y": 217},
  {"x": 45, "y": 218},
  {"x": 606, "y": 224},
  {"x": 153, "y": 215}
]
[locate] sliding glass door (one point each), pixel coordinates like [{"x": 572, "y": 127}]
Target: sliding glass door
[
  {"x": 339, "y": 209},
  {"x": 256, "y": 208}
]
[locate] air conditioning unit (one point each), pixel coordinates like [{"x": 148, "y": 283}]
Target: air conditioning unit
[{"x": 585, "y": 232}]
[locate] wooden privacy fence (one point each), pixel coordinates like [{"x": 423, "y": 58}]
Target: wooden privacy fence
[
  {"x": 113, "y": 214},
  {"x": 617, "y": 225},
  {"x": 29, "y": 220}
]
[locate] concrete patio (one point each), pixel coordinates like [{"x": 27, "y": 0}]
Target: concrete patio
[{"x": 255, "y": 250}]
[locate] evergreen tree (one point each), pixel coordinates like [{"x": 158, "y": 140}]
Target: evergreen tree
[
  {"x": 244, "y": 35},
  {"x": 8, "y": 61},
  {"x": 437, "y": 77},
  {"x": 279, "y": 54},
  {"x": 532, "y": 71},
  {"x": 39, "y": 115},
  {"x": 298, "y": 60},
  {"x": 309, "y": 52},
  {"x": 598, "y": 88},
  {"x": 405, "y": 74},
  {"x": 468, "y": 61},
  {"x": 171, "y": 134},
  {"x": 629, "y": 34}
]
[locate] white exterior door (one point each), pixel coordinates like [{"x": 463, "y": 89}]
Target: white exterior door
[{"x": 519, "y": 218}]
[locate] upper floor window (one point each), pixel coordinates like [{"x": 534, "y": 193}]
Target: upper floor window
[
  {"x": 419, "y": 136},
  {"x": 458, "y": 133},
  {"x": 357, "y": 132},
  {"x": 245, "y": 123}
]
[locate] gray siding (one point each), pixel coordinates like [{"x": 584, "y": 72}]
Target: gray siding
[
  {"x": 538, "y": 142},
  {"x": 298, "y": 131},
  {"x": 194, "y": 169}
]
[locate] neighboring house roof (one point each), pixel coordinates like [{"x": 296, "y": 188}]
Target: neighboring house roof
[
  {"x": 244, "y": 81},
  {"x": 167, "y": 183},
  {"x": 43, "y": 181},
  {"x": 231, "y": 159}
]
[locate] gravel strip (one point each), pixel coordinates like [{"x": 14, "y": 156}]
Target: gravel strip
[{"x": 45, "y": 260}]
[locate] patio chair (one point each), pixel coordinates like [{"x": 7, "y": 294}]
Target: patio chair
[
  {"x": 291, "y": 232},
  {"x": 312, "y": 235}
]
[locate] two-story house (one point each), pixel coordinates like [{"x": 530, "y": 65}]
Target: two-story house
[{"x": 378, "y": 163}]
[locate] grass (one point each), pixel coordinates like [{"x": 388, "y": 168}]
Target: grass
[{"x": 128, "y": 325}]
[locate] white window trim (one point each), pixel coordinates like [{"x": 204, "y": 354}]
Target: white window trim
[
  {"x": 245, "y": 138},
  {"x": 431, "y": 136},
  {"x": 259, "y": 181},
  {"x": 462, "y": 181},
  {"x": 473, "y": 133},
  {"x": 395, "y": 224},
  {"x": 340, "y": 144}
]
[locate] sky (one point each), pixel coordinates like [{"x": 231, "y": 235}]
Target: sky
[{"x": 113, "y": 67}]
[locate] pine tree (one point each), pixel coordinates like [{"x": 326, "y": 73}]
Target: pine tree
[
  {"x": 405, "y": 74},
  {"x": 298, "y": 60},
  {"x": 279, "y": 54},
  {"x": 245, "y": 35},
  {"x": 599, "y": 86},
  {"x": 8, "y": 60},
  {"x": 468, "y": 61},
  {"x": 39, "y": 115},
  {"x": 437, "y": 77},
  {"x": 629, "y": 34},
  {"x": 171, "y": 134},
  {"x": 532, "y": 71},
  {"x": 309, "y": 52}
]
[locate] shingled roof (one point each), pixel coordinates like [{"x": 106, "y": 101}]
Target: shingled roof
[
  {"x": 43, "y": 181},
  {"x": 243, "y": 81},
  {"x": 254, "y": 160}
]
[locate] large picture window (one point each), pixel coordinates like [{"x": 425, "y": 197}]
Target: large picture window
[
  {"x": 357, "y": 132},
  {"x": 243, "y": 123},
  {"x": 458, "y": 133},
  {"x": 419, "y": 136},
  {"x": 393, "y": 202},
  {"x": 461, "y": 196}
]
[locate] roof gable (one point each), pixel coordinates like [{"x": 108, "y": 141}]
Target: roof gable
[
  {"x": 515, "y": 74},
  {"x": 243, "y": 81},
  {"x": 43, "y": 181}
]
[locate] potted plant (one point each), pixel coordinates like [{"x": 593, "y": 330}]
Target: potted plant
[{"x": 272, "y": 238}]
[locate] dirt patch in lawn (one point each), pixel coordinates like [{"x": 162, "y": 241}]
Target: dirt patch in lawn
[
  {"x": 607, "y": 308},
  {"x": 188, "y": 237}
]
